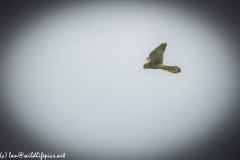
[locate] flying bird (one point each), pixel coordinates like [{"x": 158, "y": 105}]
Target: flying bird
[{"x": 155, "y": 60}]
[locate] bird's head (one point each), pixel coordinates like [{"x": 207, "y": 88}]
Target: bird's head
[{"x": 146, "y": 65}]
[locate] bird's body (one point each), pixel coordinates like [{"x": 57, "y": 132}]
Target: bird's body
[
  {"x": 155, "y": 60},
  {"x": 155, "y": 66}
]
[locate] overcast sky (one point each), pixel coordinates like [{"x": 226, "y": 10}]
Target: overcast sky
[{"x": 75, "y": 79}]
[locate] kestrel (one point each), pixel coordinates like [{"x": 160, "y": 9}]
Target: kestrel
[{"x": 155, "y": 60}]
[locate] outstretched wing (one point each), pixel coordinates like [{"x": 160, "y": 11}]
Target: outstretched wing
[{"x": 156, "y": 56}]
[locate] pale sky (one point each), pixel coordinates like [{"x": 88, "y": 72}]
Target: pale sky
[{"x": 75, "y": 79}]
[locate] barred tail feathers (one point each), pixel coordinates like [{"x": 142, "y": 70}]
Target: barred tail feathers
[{"x": 172, "y": 69}]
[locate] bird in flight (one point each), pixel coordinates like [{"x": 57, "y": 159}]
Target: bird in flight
[{"x": 155, "y": 60}]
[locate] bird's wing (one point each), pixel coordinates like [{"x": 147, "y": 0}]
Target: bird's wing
[{"x": 156, "y": 56}]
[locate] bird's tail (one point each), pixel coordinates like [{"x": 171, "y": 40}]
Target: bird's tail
[{"x": 172, "y": 69}]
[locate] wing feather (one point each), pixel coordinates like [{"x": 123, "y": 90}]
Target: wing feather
[{"x": 156, "y": 56}]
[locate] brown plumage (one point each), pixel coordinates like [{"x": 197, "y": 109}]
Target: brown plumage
[{"x": 155, "y": 60}]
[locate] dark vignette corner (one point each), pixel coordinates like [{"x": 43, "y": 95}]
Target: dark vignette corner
[{"x": 226, "y": 146}]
